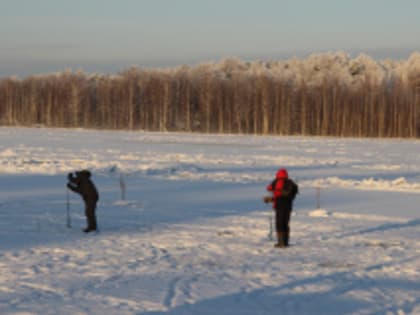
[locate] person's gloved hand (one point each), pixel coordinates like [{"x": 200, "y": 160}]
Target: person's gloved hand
[{"x": 268, "y": 199}]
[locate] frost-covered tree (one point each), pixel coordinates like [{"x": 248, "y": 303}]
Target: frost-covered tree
[{"x": 323, "y": 94}]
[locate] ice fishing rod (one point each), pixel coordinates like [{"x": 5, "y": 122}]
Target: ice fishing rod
[
  {"x": 68, "y": 224},
  {"x": 269, "y": 199}
]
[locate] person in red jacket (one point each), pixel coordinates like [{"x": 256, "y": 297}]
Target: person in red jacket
[{"x": 284, "y": 191}]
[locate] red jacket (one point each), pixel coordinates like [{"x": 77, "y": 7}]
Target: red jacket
[{"x": 276, "y": 186}]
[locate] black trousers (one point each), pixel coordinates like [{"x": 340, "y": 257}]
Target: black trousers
[
  {"x": 282, "y": 220},
  {"x": 90, "y": 209}
]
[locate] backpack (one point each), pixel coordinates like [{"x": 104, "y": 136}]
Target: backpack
[{"x": 290, "y": 189}]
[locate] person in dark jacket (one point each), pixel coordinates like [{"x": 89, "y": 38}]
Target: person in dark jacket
[
  {"x": 82, "y": 184},
  {"x": 284, "y": 191}
]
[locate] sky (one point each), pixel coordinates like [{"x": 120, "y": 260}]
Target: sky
[{"x": 108, "y": 36}]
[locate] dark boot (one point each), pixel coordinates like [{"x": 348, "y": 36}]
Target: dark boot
[
  {"x": 281, "y": 240},
  {"x": 287, "y": 238},
  {"x": 91, "y": 224},
  {"x": 89, "y": 229}
]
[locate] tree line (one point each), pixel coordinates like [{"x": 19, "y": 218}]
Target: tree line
[{"x": 328, "y": 94}]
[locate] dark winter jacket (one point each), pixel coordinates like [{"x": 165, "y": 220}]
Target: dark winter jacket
[
  {"x": 284, "y": 191},
  {"x": 82, "y": 185}
]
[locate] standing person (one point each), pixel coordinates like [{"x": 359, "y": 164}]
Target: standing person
[
  {"x": 284, "y": 192},
  {"x": 82, "y": 184}
]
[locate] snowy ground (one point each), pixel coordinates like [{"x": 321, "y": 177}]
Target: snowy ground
[{"x": 191, "y": 236}]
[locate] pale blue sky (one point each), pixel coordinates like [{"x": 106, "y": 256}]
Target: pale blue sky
[{"x": 41, "y": 36}]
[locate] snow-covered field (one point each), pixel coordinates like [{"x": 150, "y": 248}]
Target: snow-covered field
[{"x": 191, "y": 236}]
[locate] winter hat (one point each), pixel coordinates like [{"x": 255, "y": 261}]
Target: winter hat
[
  {"x": 282, "y": 174},
  {"x": 84, "y": 173}
]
